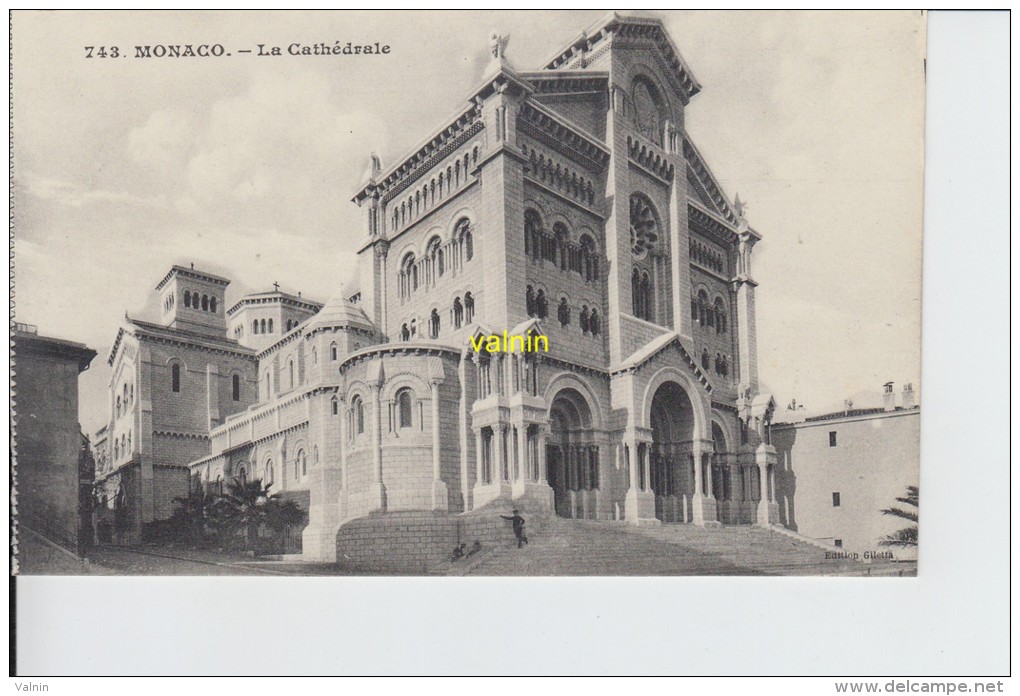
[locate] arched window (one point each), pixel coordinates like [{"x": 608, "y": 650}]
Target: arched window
[
  {"x": 469, "y": 308},
  {"x": 255, "y": 326},
  {"x": 589, "y": 259},
  {"x": 720, "y": 316},
  {"x": 116, "y": 450},
  {"x": 529, "y": 300},
  {"x": 532, "y": 234},
  {"x": 635, "y": 292},
  {"x": 594, "y": 323},
  {"x": 408, "y": 280},
  {"x": 212, "y": 305},
  {"x": 563, "y": 312},
  {"x": 262, "y": 326},
  {"x": 187, "y": 298},
  {"x": 562, "y": 238},
  {"x": 584, "y": 319},
  {"x": 405, "y": 333},
  {"x": 704, "y": 359},
  {"x": 434, "y": 253},
  {"x": 404, "y": 408},
  {"x": 132, "y": 393},
  {"x": 236, "y": 387},
  {"x": 541, "y": 304},
  {"x": 334, "y": 406},
  {"x": 290, "y": 371},
  {"x": 266, "y": 385},
  {"x": 205, "y": 303},
  {"x": 458, "y": 313},
  {"x": 315, "y": 356},
  {"x": 702, "y": 307},
  {"x": 270, "y": 326},
  {"x": 646, "y": 297},
  {"x": 175, "y": 377},
  {"x": 242, "y": 475},
  {"x": 300, "y": 465},
  {"x": 270, "y": 475},
  {"x": 465, "y": 239},
  {"x": 358, "y": 413},
  {"x": 333, "y": 352},
  {"x": 434, "y": 324},
  {"x": 117, "y": 410}
]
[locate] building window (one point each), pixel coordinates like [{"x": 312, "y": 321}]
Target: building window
[
  {"x": 465, "y": 240},
  {"x": 242, "y": 475},
  {"x": 563, "y": 312},
  {"x": 175, "y": 377},
  {"x": 720, "y": 316},
  {"x": 832, "y": 438},
  {"x": 469, "y": 308},
  {"x": 835, "y": 499},
  {"x": 358, "y": 408},
  {"x": 270, "y": 326},
  {"x": 404, "y": 408},
  {"x": 236, "y": 387},
  {"x": 334, "y": 406},
  {"x": 269, "y": 471},
  {"x": 594, "y": 323},
  {"x": 458, "y": 313},
  {"x": 332, "y": 352},
  {"x": 290, "y": 371},
  {"x": 118, "y": 407},
  {"x": 434, "y": 324},
  {"x": 405, "y": 333},
  {"x": 300, "y": 465},
  {"x": 212, "y": 305},
  {"x": 187, "y": 298},
  {"x": 205, "y": 303},
  {"x": 584, "y": 319}
]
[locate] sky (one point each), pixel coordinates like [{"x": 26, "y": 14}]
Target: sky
[{"x": 245, "y": 165}]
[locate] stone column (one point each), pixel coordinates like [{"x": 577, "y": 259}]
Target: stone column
[
  {"x": 377, "y": 491},
  {"x": 498, "y": 437},
  {"x": 640, "y": 501},
  {"x": 440, "y": 494},
  {"x": 479, "y": 458}
]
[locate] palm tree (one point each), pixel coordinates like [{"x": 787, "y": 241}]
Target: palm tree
[
  {"x": 247, "y": 505},
  {"x": 908, "y": 535}
]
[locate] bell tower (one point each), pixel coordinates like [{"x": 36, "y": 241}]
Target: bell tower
[{"x": 192, "y": 300}]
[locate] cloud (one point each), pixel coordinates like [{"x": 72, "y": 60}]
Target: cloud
[
  {"x": 161, "y": 144},
  {"x": 75, "y": 195}
]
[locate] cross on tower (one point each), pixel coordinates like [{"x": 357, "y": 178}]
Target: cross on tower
[{"x": 276, "y": 287}]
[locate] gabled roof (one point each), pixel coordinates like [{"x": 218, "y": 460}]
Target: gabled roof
[
  {"x": 176, "y": 270},
  {"x": 589, "y": 40},
  {"x": 648, "y": 351},
  {"x": 275, "y": 296},
  {"x": 144, "y": 329}
]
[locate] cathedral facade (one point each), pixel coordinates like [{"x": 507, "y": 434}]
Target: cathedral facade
[{"x": 567, "y": 202}]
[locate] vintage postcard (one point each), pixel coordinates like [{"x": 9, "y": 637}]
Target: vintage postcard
[{"x": 467, "y": 293}]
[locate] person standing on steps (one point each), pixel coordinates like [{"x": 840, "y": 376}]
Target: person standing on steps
[{"x": 518, "y": 523}]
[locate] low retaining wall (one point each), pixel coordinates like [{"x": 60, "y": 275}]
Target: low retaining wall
[{"x": 414, "y": 542}]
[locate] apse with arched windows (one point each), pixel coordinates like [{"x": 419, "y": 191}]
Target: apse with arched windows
[
  {"x": 650, "y": 263},
  {"x": 670, "y": 460},
  {"x": 572, "y": 456}
]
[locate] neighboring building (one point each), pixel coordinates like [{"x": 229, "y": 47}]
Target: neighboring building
[
  {"x": 48, "y": 439},
  {"x": 839, "y": 470},
  {"x": 260, "y": 319},
  {"x": 173, "y": 380},
  {"x": 568, "y": 202}
]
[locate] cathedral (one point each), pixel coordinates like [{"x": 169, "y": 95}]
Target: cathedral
[{"x": 567, "y": 202}]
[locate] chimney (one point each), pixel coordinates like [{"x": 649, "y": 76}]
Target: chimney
[
  {"x": 908, "y": 395},
  {"x": 888, "y": 397}
]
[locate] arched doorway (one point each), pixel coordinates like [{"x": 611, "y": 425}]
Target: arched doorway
[
  {"x": 572, "y": 456},
  {"x": 671, "y": 467}
]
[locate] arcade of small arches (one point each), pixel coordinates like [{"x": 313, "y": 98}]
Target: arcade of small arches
[
  {"x": 435, "y": 191},
  {"x": 193, "y": 300},
  {"x": 558, "y": 248},
  {"x": 537, "y": 305},
  {"x": 437, "y": 260},
  {"x": 461, "y": 313},
  {"x": 649, "y": 256}
]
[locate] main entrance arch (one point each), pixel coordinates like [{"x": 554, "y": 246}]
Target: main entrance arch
[
  {"x": 572, "y": 455},
  {"x": 671, "y": 465}
]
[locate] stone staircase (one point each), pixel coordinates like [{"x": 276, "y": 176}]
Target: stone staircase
[{"x": 587, "y": 547}]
